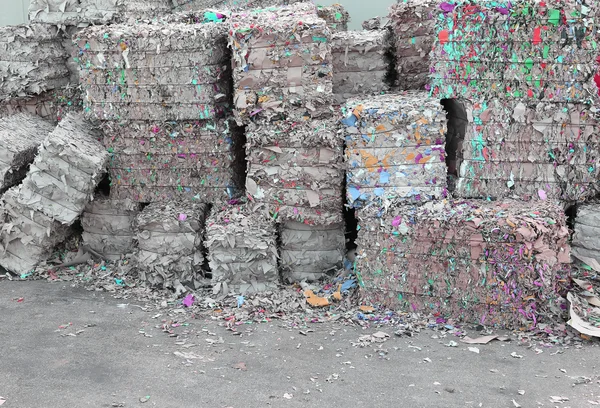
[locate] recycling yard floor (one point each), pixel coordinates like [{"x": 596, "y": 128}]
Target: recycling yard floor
[{"x": 65, "y": 346}]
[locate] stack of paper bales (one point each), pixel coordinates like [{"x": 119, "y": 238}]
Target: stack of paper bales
[
  {"x": 162, "y": 161},
  {"x": 59, "y": 184},
  {"x": 395, "y": 150},
  {"x": 282, "y": 63},
  {"x": 335, "y": 15},
  {"x": 530, "y": 150},
  {"x": 20, "y": 137},
  {"x": 586, "y": 239},
  {"x": 492, "y": 263},
  {"x": 242, "y": 250},
  {"x": 32, "y": 61},
  {"x": 69, "y": 165},
  {"x": 242, "y": 5},
  {"x": 413, "y": 23},
  {"x": 108, "y": 227},
  {"x": 310, "y": 253},
  {"x": 170, "y": 244}
]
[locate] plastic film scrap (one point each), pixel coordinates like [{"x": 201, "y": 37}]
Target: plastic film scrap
[
  {"x": 530, "y": 150},
  {"x": 360, "y": 63},
  {"x": 311, "y": 252},
  {"x": 32, "y": 61},
  {"x": 413, "y": 24},
  {"x": 394, "y": 150},
  {"x": 160, "y": 161},
  {"x": 27, "y": 236},
  {"x": 538, "y": 51},
  {"x": 336, "y": 16},
  {"x": 109, "y": 226},
  {"x": 492, "y": 263},
  {"x": 155, "y": 71},
  {"x": 170, "y": 244},
  {"x": 281, "y": 62},
  {"x": 242, "y": 250},
  {"x": 296, "y": 169},
  {"x": 69, "y": 165},
  {"x": 20, "y": 136}
]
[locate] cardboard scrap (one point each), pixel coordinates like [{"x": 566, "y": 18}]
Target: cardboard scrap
[
  {"x": 242, "y": 250},
  {"x": 314, "y": 300},
  {"x": 20, "y": 136},
  {"x": 170, "y": 244},
  {"x": 491, "y": 263}
]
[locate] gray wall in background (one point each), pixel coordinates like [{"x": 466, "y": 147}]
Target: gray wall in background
[
  {"x": 13, "y": 12},
  {"x": 360, "y": 10}
]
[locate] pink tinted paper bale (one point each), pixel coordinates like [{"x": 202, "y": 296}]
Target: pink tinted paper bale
[{"x": 494, "y": 263}]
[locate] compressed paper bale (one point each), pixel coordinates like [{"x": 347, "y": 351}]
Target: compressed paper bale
[
  {"x": 520, "y": 149},
  {"x": 32, "y": 60},
  {"x": 20, "y": 136},
  {"x": 394, "y": 150},
  {"x": 452, "y": 258},
  {"x": 360, "y": 62},
  {"x": 586, "y": 239},
  {"x": 413, "y": 24},
  {"x": 61, "y": 12},
  {"x": 309, "y": 252},
  {"x": 336, "y": 16},
  {"x": 281, "y": 64},
  {"x": 303, "y": 132},
  {"x": 133, "y": 11},
  {"x": 67, "y": 169},
  {"x": 170, "y": 71},
  {"x": 511, "y": 56},
  {"x": 52, "y": 105},
  {"x": 170, "y": 237},
  {"x": 27, "y": 236},
  {"x": 242, "y": 250},
  {"x": 108, "y": 226}
]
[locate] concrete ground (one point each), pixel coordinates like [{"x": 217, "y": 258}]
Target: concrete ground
[{"x": 67, "y": 347}]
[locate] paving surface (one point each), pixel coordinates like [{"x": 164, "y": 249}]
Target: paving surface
[{"x": 67, "y": 347}]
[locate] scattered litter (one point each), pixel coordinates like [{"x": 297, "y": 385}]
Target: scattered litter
[{"x": 474, "y": 350}]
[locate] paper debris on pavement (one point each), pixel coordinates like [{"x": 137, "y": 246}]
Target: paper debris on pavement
[{"x": 20, "y": 137}]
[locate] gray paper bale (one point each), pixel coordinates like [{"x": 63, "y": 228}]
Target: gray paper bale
[
  {"x": 242, "y": 250},
  {"x": 167, "y": 71},
  {"x": 586, "y": 239},
  {"x": 108, "y": 226},
  {"x": 27, "y": 236},
  {"x": 394, "y": 150},
  {"x": 20, "y": 137},
  {"x": 170, "y": 244},
  {"x": 32, "y": 60},
  {"x": 51, "y": 105},
  {"x": 61, "y": 12},
  {"x": 310, "y": 252},
  {"x": 67, "y": 169},
  {"x": 282, "y": 63},
  {"x": 360, "y": 62}
]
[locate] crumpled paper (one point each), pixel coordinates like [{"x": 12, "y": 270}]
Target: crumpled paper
[
  {"x": 242, "y": 250},
  {"x": 413, "y": 23},
  {"x": 310, "y": 252},
  {"x": 170, "y": 244},
  {"x": 281, "y": 62},
  {"x": 395, "y": 150},
  {"x": 69, "y": 165},
  {"x": 173, "y": 71},
  {"x": 20, "y": 136},
  {"x": 360, "y": 62},
  {"x": 32, "y": 60},
  {"x": 108, "y": 226},
  {"x": 530, "y": 150},
  {"x": 492, "y": 263},
  {"x": 537, "y": 51}
]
